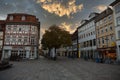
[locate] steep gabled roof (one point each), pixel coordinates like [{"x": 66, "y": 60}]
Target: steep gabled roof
[
  {"x": 104, "y": 14},
  {"x": 115, "y": 2}
]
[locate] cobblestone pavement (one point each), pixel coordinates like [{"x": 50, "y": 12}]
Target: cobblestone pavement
[{"x": 62, "y": 69}]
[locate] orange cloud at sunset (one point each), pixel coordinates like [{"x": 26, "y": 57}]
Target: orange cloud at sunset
[
  {"x": 60, "y": 9},
  {"x": 69, "y": 27},
  {"x": 101, "y": 7}
]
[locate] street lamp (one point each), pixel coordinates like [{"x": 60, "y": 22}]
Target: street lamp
[{"x": 107, "y": 44}]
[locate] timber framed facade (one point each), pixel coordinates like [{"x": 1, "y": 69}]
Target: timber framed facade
[{"x": 21, "y": 38}]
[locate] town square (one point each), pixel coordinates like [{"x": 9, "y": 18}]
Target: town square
[{"x": 59, "y": 39}]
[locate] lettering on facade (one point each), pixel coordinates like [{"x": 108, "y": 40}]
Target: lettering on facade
[{"x": 18, "y": 48}]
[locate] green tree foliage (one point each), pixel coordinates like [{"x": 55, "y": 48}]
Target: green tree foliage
[{"x": 55, "y": 37}]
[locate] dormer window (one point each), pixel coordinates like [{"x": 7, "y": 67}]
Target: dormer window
[
  {"x": 23, "y": 18},
  {"x": 11, "y": 17}
]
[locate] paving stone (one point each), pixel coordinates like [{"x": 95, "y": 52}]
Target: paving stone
[{"x": 61, "y": 69}]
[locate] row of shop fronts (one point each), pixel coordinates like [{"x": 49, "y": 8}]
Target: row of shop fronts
[
  {"x": 70, "y": 54},
  {"x": 88, "y": 54},
  {"x": 18, "y": 53},
  {"x": 101, "y": 54},
  {"x": 93, "y": 54}
]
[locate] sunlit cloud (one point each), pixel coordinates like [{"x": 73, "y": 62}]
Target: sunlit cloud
[
  {"x": 101, "y": 7},
  {"x": 60, "y": 8},
  {"x": 69, "y": 27},
  {"x": 42, "y": 30}
]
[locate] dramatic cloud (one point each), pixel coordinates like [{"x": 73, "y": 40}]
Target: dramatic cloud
[
  {"x": 69, "y": 27},
  {"x": 60, "y": 7},
  {"x": 101, "y": 7}
]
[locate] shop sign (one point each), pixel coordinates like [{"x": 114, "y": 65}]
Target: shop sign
[{"x": 113, "y": 44}]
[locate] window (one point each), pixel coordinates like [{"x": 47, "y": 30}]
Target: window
[
  {"x": 32, "y": 40},
  {"x": 110, "y": 17},
  {"x": 1, "y": 35},
  {"x": 118, "y": 34},
  {"x": 32, "y": 28},
  {"x": 25, "y": 39},
  {"x": 11, "y": 17},
  {"x": 8, "y": 27},
  {"x": 117, "y": 8},
  {"x": 7, "y": 36},
  {"x": 94, "y": 42},
  {"x": 7, "y": 39},
  {"x": 14, "y": 39},
  {"x": 104, "y": 20},
  {"x": 102, "y": 31},
  {"x": 19, "y": 29},
  {"x": 15, "y": 28},
  {"x": 91, "y": 33},
  {"x": 101, "y": 22},
  {"x": 110, "y": 27},
  {"x": 103, "y": 40},
  {"x": 107, "y": 41},
  {"x": 19, "y": 40},
  {"x": 90, "y": 24},
  {"x": 106, "y": 29},
  {"x": 90, "y": 42},
  {"x": 112, "y": 38},
  {"x": 97, "y": 24},
  {"x": 87, "y": 43},
  {"x": 23, "y": 18},
  {"x": 98, "y": 41},
  {"x": 22, "y": 53},
  {"x": 118, "y": 20},
  {"x": 98, "y": 31}
]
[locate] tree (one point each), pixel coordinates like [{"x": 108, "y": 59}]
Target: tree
[{"x": 55, "y": 37}]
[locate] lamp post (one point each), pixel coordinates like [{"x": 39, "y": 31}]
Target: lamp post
[{"x": 107, "y": 44}]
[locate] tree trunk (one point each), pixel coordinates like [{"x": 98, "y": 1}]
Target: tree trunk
[
  {"x": 49, "y": 52},
  {"x": 55, "y": 51}
]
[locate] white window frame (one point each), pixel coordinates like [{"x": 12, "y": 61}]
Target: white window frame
[
  {"x": 23, "y": 18},
  {"x": 11, "y": 18}
]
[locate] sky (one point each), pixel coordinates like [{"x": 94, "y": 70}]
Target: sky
[{"x": 65, "y": 13}]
